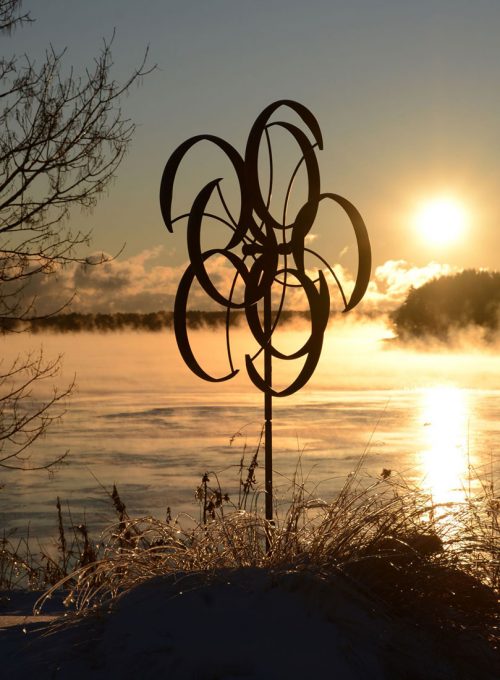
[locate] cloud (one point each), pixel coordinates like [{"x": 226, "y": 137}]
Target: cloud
[
  {"x": 388, "y": 287},
  {"x": 131, "y": 285},
  {"x": 392, "y": 280},
  {"x": 128, "y": 285},
  {"x": 389, "y": 284},
  {"x": 122, "y": 285},
  {"x": 135, "y": 284}
]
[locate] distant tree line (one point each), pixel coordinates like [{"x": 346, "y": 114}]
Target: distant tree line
[
  {"x": 440, "y": 306},
  {"x": 122, "y": 321}
]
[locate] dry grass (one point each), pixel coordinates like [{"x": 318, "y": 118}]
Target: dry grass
[
  {"x": 23, "y": 567},
  {"x": 436, "y": 564}
]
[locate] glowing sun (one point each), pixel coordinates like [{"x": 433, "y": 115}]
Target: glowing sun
[{"x": 441, "y": 221}]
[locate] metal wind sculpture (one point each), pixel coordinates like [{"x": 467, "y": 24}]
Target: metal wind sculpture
[{"x": 265, "y": 254}]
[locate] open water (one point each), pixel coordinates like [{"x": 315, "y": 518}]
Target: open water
[{"x": 139, "y": 419}]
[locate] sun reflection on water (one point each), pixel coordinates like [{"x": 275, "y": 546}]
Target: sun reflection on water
[{"x": 445, "y": 454}]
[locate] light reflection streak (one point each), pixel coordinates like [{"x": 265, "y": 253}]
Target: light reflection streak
[{"x": 445, "y": 457}]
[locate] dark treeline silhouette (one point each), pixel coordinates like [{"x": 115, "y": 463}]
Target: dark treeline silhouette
[
  {"x": 448, "y": 303},
  {"x": 123, "y": 321}
]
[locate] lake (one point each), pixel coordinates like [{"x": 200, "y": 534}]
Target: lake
[{"x": 139, "y": 419}]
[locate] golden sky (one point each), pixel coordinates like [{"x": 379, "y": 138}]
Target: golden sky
[{"x": 405, "y": 93}]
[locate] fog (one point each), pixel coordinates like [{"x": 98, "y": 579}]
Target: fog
[
  {"x": 357, "y": 354},
  {"x": 139, "y": 418}
]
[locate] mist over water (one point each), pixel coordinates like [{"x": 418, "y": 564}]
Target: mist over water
[{"x": 140, "y": 419}]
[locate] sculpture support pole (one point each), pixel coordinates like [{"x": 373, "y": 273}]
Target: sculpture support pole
[{"x": 268, "y": 406}]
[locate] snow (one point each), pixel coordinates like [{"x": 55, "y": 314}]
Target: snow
[{"x": 246, "y": 623}]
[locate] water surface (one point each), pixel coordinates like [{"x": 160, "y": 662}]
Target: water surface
[{"x": 139, "y": 419}]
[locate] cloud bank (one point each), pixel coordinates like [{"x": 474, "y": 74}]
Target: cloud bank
[{"x": 135, "y": 284}]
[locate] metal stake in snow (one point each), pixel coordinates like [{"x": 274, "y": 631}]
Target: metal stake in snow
[{"x": 267, "y": 256}]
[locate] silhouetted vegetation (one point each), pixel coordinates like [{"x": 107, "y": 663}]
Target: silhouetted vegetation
[
  {"x": 76, "y": 322},
  {"x": 444, "y": 305}
]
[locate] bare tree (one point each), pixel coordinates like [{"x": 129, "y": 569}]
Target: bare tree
[
  {"x": 23, "y": 421},
  {"x": 62, "y": 139},
  {"x": 10, "y": 15}
]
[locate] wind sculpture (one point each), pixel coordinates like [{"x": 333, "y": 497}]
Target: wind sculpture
[{"x": 268, "y": 258}]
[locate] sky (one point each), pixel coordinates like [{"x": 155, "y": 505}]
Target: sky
[{"x": 406, "y": 95}]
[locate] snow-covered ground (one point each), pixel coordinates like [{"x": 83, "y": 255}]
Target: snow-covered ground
[{"x": 247, "y": 623}]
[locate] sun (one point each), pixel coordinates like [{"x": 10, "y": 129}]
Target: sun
[{"x": 441, "y": 221}]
